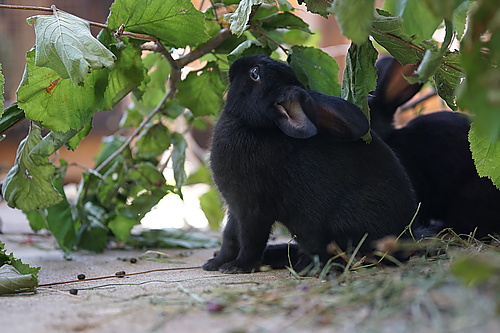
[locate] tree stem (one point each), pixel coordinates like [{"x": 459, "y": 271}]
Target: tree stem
[{"x": 48, "y": 9}]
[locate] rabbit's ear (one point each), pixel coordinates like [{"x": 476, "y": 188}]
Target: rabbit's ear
[
  {"x": 393, "y": 89},
  {"x": 341, "y": 119},
  {"x": 294, "y": 112}
]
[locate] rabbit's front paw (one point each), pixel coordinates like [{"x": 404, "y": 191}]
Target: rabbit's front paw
[
  {"x": 212, "y": 265},
  {"x": 236, "y": 267}
]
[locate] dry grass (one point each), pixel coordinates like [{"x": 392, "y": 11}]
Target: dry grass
[{"x": 451, "y": 284}]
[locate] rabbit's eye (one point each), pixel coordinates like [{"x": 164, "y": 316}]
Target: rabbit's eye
[{"x": 254, "y": 74}]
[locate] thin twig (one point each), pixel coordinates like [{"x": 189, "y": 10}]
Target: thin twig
[
  {"x": 120, "y": 276},
  {"x": 139, "y": 128},
  {"x": 197, "y": 53},
  {"x": 415, "y": 47},
  {"x": 46, "y": 9}
]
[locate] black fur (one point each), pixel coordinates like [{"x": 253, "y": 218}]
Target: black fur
[
  {"x": 306, "y": 168},
  {"x": 434, "y": 149}
]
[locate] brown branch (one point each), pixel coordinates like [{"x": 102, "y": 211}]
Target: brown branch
[
  {"x": 197, "y": 53},
  {"x": 46, "y": 9}
]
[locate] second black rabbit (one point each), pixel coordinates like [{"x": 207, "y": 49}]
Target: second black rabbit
[{"x": 434, "y": 150}]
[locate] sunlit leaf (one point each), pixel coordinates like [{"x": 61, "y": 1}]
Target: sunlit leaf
[
  {"x": 238, "y": 20},
  {"x": 64, "y": 43},
  {"x": 176, "y": 23}
]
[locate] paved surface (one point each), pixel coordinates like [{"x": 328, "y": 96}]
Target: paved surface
[{"x": 173, "y": 301}]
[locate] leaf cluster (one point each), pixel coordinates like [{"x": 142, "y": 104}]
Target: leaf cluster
[{"x": 15, "y": 276}]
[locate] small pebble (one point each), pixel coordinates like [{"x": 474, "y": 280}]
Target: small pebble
[
  {"x": 120, "y": 274},
  {"x": 81, "y": 276},
  {"x": 214, "y": 307},
  {"x": 73, "y": 291},
  {"x": 133, "y": 260}
]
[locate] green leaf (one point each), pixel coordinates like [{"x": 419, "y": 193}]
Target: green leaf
[
  {"x": 211, "y": 205},
  {"x": 201, "y": 92},
  {"x": 15, "y": 276},
  {"x": 93, "y": 234},
  {"x": 11, "y": 281},
  {"x": 172, "y": 238},
  {"x": 155, "y": 88},
  {"x": 479, "y": 93},
  {"x": 360, "y": 75},
  {"x": 317, "y": 6},
  {"x": 430, "y": 63},
  {"x": 127, "y": 74},
  {"x": 110, "y": 184},
  {"x": 59, "y": 218},
  {"x": 175, "y": 22},
  {"x": 388, "y": 31},
  {"x": 64, "y": 43},
  {"x": 486, "y": 155},
  {"x": 201, "y": 176},
  {"x": 284, "y": 20},
  {"x": 354, "y": 18},
  {"x": 60, "y": 106},
  {"x": 460, "y": 18},
  {"x": 443, "y": 8},
  {"x": 109, "y": 145},
  {"x": 153, "y": 141},
  {"x": 9, "y": 259},
  {"x": 28, "y": 185},
  {"x": 178, "y": 159},
  {"x": 238, "y": 20},
  {"x": 36, "y": 220},
  {"x": 315, "y": 69},
  {"x": 413, "y": 13},
  {"x": 10, "y": 117},
  {"x": 247, "y": 48},
  {"x": 75, "y": 140},
  {"x": 447, "y": 79},
  {"x": 56, "y": 103},
  {"x": 477, "y": 269},
  {"x": 121, "y": 227}
]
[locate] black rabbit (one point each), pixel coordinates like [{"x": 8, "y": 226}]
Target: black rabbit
[
  {"x": 434, "y": 149},
  {"x": 283, "y": 153}
]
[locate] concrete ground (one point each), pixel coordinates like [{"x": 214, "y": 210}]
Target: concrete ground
[{"x": 173, "y": 301}]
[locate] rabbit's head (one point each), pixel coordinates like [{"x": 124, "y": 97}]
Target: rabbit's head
[{"x": 266, "y": 94}]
